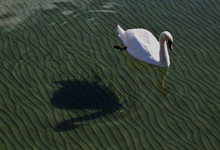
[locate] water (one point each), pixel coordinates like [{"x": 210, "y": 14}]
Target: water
[{"x": 64, "y": 86}]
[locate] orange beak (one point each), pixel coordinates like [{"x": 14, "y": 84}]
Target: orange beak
[{"x": 170, "y": 45}]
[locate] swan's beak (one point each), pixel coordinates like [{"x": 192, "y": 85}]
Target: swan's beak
[{"x": 170, "y": 45}]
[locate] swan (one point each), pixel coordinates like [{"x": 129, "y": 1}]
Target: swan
[{"x": 142, "y": 44}]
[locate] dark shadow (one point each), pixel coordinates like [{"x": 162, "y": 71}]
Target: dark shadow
[
  {"x": 84, "y": 95},
  {"x": 79, "y": 95}
]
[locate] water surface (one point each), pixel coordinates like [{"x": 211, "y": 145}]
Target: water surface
[{"x": 64, "y": 86}]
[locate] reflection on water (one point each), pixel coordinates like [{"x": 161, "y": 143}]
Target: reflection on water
[
  {"x": 13, "y": 13},
  {"x": 162, "y": 75}
]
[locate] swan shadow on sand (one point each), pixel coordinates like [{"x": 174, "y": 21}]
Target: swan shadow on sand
[{"x": 83, "y": 95}]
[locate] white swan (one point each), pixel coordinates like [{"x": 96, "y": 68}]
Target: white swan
[{"x": 142, "y": 44}]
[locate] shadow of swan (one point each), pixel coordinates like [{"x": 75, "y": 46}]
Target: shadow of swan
[{"x": 83, "y": 95}]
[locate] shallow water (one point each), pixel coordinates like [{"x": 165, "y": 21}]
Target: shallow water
[{"x": 64, "y": 86}]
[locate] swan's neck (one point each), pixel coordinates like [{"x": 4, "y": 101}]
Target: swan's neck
[{"x": 164, "y": 55}]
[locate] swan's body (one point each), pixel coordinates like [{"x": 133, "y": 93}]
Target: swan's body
[{"x": 142, "y": 45}]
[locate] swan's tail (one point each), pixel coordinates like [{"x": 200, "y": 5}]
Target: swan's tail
[
  {"x": 120, "y": 30},
  {"x": 121, "y": 34}
]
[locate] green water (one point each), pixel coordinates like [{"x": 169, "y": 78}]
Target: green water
[{"x": 64, "y": 86}]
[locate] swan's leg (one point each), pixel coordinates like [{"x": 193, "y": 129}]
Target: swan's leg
[
  {"x": 120, "y": 48},
  {"x": 124, "y": 48}
]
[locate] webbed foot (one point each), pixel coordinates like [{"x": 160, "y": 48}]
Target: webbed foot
[{"x": 120, "y": 48}]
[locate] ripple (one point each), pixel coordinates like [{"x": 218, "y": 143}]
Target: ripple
[{"x": 104, "y": 98}]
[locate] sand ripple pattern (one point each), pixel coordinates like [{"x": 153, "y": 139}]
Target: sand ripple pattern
[{"x": 64, "y": 86}]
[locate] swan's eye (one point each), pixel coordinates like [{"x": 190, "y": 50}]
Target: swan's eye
[{"x": 169, "y": 42}]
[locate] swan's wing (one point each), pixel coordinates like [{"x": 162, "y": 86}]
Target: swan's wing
[{"x": 142, "y": 44}]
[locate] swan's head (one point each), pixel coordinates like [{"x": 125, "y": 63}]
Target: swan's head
[{"x": 166, "y": 36}]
